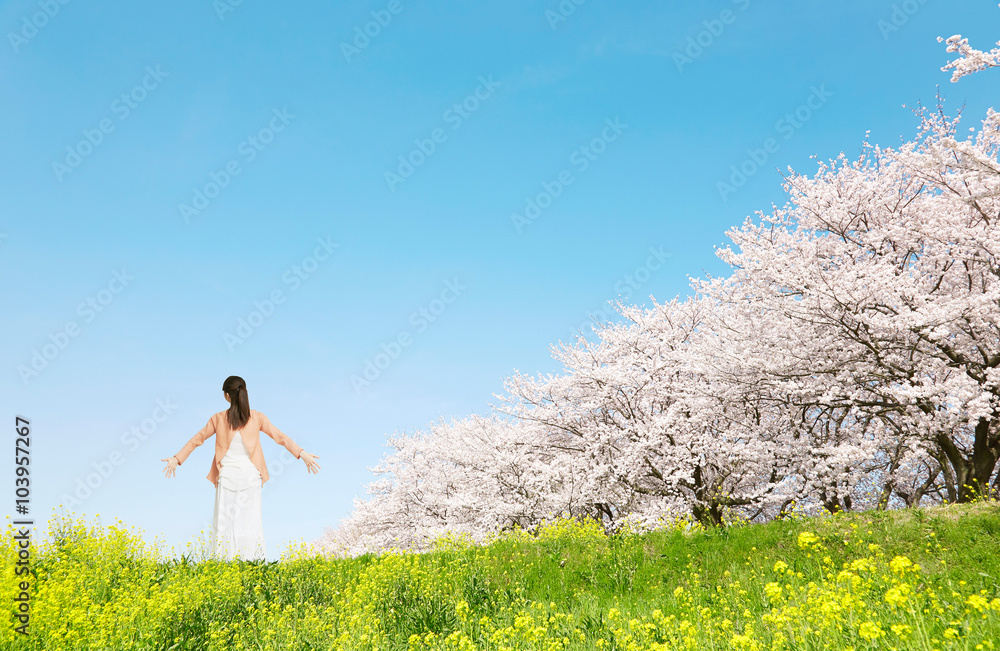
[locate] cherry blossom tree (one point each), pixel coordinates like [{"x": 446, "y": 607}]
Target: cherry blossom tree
[
  {"x": 472, "y": 476},
  {"x": 851, "y": 360},
  {"x": 636, "y": 409},
  {"x": 886, "y": 269},
  {"x": 970, "y": 60}
]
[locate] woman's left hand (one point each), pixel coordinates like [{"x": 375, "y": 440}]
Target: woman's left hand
[{"x": 310, "y": 460}]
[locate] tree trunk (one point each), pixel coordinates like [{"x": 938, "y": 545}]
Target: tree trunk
[
  {"x": 968, "y": 477},
  {"x": 985, "y": 451}
]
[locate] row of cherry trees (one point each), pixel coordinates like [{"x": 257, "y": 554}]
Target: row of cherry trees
[{"x": 850, "y": 361}]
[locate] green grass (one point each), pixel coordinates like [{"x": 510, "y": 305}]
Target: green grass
[{"x": 571, "y": 587}]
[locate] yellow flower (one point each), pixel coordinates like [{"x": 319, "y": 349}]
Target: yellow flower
[
  {"x": 870, "y": 631},
  {"x": 780, "y": 567},
  {"x": 978, "y": 602},
  {"x": 743, "y": 643},
  {"x": 902, "y": 631},
  {"x": 462, "y": 609},
  {"x": 896, "y": 595},
  {"x": 807, "y": 539},
  {"x": 773, "y": 591},
  {"x": 899, "y": 564},
  {"x": 859, "y": 564}
]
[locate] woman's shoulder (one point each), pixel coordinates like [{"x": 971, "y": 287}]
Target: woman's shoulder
[{"x": 219, "y": 420}]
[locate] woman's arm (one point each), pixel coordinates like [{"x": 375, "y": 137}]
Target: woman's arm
[
  {"x": 279, "y": 437},
  {"x": 196, "y": 440}
]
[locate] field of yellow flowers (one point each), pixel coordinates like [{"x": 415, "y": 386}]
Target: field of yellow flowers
[{"x": 914, "y": 579}]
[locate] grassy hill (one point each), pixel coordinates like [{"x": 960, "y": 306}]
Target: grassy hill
[{"x": 913, "y": 579}]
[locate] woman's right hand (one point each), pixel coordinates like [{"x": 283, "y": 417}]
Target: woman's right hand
[{"x": 172, "y": 464}]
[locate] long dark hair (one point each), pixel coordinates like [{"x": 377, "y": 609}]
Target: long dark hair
[{"x": 239, "y": 406}]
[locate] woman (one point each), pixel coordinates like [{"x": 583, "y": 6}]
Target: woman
[{"x": 238, "y": 471}]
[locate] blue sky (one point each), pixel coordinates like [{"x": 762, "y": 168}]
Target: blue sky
[{"x": 280, "y": 128}]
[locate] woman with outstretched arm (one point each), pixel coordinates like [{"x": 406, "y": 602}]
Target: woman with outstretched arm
[{"x": 238, "y": 471}]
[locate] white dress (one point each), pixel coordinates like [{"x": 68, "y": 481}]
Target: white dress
[{"x": 237, "y": 527}]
